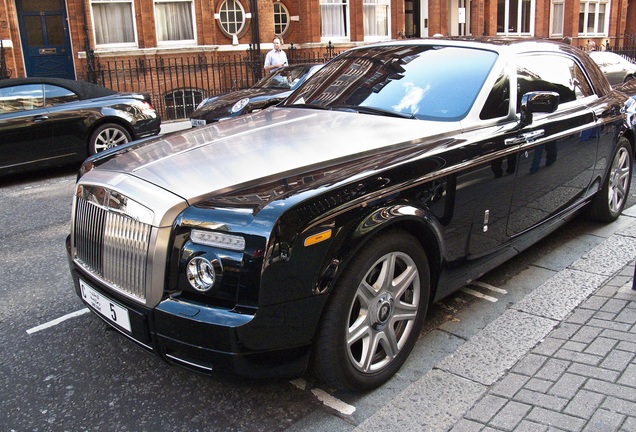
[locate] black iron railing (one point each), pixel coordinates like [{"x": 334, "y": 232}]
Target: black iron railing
[
  {"x": 177, "y": 84},
  {"x": 627, "y": 49}
]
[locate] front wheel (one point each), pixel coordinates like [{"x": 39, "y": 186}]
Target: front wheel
[
  {"x": 374, "y": 315},
  {"x": 107, "y": 136},
  {"x": 610, "y": 200}
]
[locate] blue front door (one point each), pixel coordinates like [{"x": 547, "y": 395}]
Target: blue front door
[{"x": 45, "y": 38}]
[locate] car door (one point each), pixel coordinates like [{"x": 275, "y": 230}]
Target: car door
[
  {"x": 25, "y": 129},
  {"x": 558, "y": 150},
  {"x": 71, "y": 120}
]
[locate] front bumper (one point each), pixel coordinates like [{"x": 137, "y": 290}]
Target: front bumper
[{"x": 204, "y": 338}]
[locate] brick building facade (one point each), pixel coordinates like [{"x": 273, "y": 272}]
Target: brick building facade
[{"x": 52, "y": 37}]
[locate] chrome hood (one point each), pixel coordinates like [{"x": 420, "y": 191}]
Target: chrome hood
[{"x": 278, "y": 142}]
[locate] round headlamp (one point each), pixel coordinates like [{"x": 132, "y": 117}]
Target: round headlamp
[
  {"x": 203, "y": 273},
  {"x": 240, "y": 105}
]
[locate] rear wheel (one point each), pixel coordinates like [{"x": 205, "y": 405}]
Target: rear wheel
[
  {"x": 374, "y": 315},
  {"x": 610, "y": 200},
  {"x": 107, "y": 136}
]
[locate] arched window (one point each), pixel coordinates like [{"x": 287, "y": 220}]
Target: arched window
[
  {"x": 181, "y": 103},
  {"x": 281, "y": 18},
  {"x": 232, "y": 17}
]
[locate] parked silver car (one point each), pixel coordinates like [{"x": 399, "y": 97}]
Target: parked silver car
[{"x": 617, "y": 69}]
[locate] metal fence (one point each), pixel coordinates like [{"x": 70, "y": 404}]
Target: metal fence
[
  {"x": 178, "y": 84},
  {"x": 628, "y": 50}
]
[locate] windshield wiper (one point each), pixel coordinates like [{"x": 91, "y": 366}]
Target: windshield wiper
[{"x": 372, "y": 110}]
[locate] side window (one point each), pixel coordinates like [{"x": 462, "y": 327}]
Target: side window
[
  {"x": 21, "y": 98},
  {"x": 114, "y": 22},
  {"x": 498, "y": 102},
  {"x": 555, "y": 73},
  {"x": 54, "y": 95}
]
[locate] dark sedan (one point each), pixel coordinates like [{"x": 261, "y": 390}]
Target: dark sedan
[
  {"x": 267, "y": 92},
  {"x": 317, "y": 233},
  {"x": 617, "y": 69},
  {"x": 52, "y": 121}
]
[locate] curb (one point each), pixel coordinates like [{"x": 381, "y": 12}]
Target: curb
[{"x": 440, "y": 398}]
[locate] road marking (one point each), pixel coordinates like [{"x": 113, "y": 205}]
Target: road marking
[
  {"x": 58, "y": 321},
  {"x": 480, "y": 295},
  {"x": 332, "y": 402},
  {"x": 326, "y": 398},
  {"x": 489, "y": 287}
]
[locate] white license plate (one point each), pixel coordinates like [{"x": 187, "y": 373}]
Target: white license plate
[
  {"x": 107, "y": 308},
  {"x": 197, "y": 122}
]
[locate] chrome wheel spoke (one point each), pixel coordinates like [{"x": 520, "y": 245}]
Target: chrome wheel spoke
[{"x": 383, "y": 312}]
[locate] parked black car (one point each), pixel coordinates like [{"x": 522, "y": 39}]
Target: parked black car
[
  {"x": 53, "y": 121},
  {"x": 319, "y": 231},
  {"x": 617, "y": 69},
  {"x": 267, "y": 92}
]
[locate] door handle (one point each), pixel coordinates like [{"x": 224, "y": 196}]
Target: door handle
[
  {"x": 527, "y": 137},
  {"x": 39, "y": 118}
]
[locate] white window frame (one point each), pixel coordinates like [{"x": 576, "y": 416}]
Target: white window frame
[
  {"x": 334, "y": 5},
  {"x": 96, "y": 24},
  {"x": 377, "y": 5},
  {"x": 557, "y": 20},
  {"x": 191, "y": 41},
  {"x": 531, "y": 9},
  {"x": 591, "y": 9},
  {"x": 282, "y": 11},
  {"x": 242, "y": 24}
]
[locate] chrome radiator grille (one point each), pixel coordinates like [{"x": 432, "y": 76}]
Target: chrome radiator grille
[{"x": 113, "y": 246}]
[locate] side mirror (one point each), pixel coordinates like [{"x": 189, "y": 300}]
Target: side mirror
[{"x": 537, "y": 102}]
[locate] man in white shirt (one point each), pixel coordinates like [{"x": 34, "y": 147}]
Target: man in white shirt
[{"x": 276, "y": 58}]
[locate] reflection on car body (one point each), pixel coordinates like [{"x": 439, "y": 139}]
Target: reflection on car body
[
  {"x": 316, "y": 233},
  {"x": 617, "y": 69},
  {"x": 54, "y": 121},
  {"x": 267, "y": 92}
]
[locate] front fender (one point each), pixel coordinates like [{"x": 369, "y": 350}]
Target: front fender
[{"x": 417, "y": 220}]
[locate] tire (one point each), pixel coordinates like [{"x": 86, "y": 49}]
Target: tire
[
  {"x": 609, "y": 202},
  {"x": 107, "y": 136},
  {"x": 371, "y": 326}
]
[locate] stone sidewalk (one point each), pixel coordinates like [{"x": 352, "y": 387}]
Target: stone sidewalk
[
  {"x": 561, "y": 359},
  {"x": 582, "y": 377}
]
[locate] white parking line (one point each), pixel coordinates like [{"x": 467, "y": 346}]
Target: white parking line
[
  {"x": 326, "y": 398},
  {"x": 57, "y": 321},
  {"x": 480, "y": 295},
  {"x": 332, "y": 402},
  {"x": 489, "y": 287}
]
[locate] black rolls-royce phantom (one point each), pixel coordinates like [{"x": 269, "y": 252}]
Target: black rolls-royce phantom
[{"x": 318, "y": 232}]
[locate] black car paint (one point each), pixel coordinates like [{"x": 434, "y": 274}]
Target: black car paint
[
  {"x": 260, "y": 96},
  {"x": 58, "y": 134},
  {"x": 263, "y": 318}
]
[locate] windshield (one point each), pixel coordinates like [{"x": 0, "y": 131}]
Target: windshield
[
  {"x": 284, "y": 78},
  {"x": 414, "y": 81}
]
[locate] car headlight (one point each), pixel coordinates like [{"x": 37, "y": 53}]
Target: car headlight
[
  {"x": 240, "y": 105},
  {"x": 216, "y": 239},
  {"x": 203, "y": 274}
]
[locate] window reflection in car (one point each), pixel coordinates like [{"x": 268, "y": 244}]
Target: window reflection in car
[{"x": 420, "y": 82}]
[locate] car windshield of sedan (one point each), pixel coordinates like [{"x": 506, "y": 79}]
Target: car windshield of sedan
[
  {"x": 284, "y": 78},
  {"x": 420, "y": 81}
]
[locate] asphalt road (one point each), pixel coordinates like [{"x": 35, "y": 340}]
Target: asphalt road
[{"x": 77, "y": 374}]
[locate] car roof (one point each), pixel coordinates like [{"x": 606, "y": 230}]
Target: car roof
[
  {"x": 83, "y": 89},
  {"x": 495, "y": 43}
]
